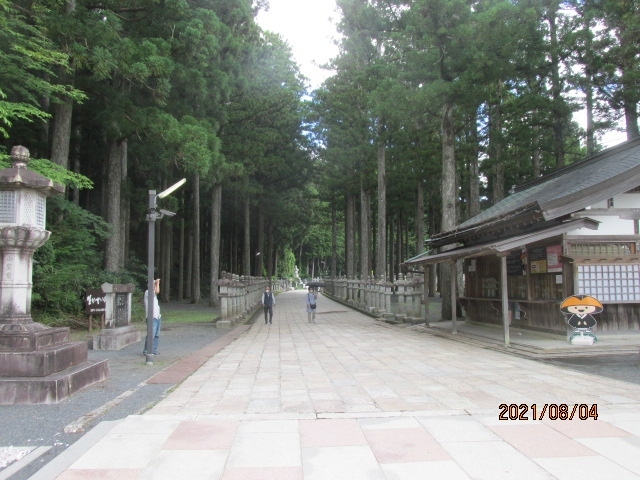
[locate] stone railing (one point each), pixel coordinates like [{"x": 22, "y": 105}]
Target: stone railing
[
  {"x": 397, "y": 302},
  {"x": 241, "y": 296}
]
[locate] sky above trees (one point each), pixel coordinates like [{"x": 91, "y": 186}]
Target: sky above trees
[{"x": 309, "y": 27}]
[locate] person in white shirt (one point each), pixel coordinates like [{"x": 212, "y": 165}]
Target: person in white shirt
[{"x": 157, "y": 318}]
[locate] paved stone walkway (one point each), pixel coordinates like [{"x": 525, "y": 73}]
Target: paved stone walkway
[{"x": 349, "y": 397}]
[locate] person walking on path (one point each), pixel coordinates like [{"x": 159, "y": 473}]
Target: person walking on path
[
  {"x": 156, "y": 317},
  {"x": 311, "y": 305},
  {"x": 268, "y": 302}
]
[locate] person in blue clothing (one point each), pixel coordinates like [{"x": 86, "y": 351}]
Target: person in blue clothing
[
  {"x": 311, "y": 305},
  {"x": 268, "y": 302},
  {"x": 157, "y": 318}
]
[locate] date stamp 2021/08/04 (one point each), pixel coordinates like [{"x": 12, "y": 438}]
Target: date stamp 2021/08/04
[{"x": 552, "y": 411}]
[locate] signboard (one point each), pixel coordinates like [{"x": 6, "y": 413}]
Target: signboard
[
  {"x": 95, "y": 301},
  {"x": 538, "y": 260},
  {"x": 553, "y": 258},
  {"x": 546, "y": 259}
]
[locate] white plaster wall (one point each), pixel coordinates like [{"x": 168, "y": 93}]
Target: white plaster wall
[
  {"x": 609, "y": 225},
  {"x": 602, "y": 204},
  {"x": 628, "y": 200},
  {"x": 624, "y": 200}
]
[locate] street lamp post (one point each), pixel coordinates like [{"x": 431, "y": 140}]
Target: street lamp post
[{"x": 153, "y": 215}]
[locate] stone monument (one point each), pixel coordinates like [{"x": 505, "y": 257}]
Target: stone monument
[
  {"x": 118, "y": 331},
  {"x": 296, "y": 277},
  {"x": 38, "y": 364}
]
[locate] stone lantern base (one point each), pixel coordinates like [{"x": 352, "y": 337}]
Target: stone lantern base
[{"x": 39, "y": 365}]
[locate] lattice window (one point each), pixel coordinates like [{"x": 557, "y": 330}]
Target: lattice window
[
  {"x": 8, "y": 207},
  {"x": 584, "y": 249},
  {"x": 610, "y": 283}
]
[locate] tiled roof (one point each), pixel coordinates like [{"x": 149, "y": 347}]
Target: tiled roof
[
  {"x": 574, "y": 187},
  {"x": 541, "y": 207}
]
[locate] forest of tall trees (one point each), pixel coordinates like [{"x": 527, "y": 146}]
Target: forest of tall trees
[{"x": 433, "y": 110}]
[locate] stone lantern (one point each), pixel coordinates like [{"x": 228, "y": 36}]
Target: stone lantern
[{"x": 38, "y": 364}]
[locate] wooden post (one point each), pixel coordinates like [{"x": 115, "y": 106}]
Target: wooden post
[
  {"x": 426, "y": 294},
  {"x": 505, "y": 298},
  {"x": 454, "y": 326}
]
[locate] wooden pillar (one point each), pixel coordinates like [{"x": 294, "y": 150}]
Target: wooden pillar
[
  {"x": 505, "y": 298},
  {"x": 454, "y": 326},
  {"x": 427, "y": 271}
]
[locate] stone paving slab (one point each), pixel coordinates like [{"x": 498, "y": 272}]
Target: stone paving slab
[{"x": 351, "y": 397}]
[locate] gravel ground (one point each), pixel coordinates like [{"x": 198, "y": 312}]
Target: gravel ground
[{"x": 26, "y": 427}]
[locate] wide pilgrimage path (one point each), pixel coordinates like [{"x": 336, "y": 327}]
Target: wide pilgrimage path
[{"x": 349, "y": 397}]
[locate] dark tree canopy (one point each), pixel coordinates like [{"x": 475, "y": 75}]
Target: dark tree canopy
[{"x": 435, "y": 110}]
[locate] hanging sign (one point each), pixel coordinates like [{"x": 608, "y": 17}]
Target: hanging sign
[
  {"x": 538, "y": 260},
  {"x": 553, "y": 258},
  {"x": 95, "y": 301}
]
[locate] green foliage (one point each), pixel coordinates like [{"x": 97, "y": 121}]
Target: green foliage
[
  {"x": 10, "y": 111},
  {"x": 318, "y": 241},
  {"x": 187, "y": 316},
  {"x": 60, "y": 174},
  {"x": 287, "y": 265},
  {"x": 71, "y": 261},
  {"x": 52, "y": 171},
  {"x": 27, "y": 59}
]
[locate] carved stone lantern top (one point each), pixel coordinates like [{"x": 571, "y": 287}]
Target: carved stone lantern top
[
  {"x": 23, "y": 192},
  {"x": 19, "y": 174}
]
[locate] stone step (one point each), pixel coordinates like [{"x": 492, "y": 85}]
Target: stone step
[
  {"x": 42, "y": 362},
  {"x": 52, "y": 388},
  {"x": 532, "y": 351}
]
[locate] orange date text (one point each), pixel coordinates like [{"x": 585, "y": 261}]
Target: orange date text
[{"x": 551, "y": 411}]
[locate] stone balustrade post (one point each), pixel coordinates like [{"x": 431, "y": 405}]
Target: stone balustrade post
[
  {"x": 224, "y": 306},
  {"x": 355, "y": 293},
  {"x": 328, "y": 286},
  {"x": 388, "y": 291},
  {"x": 353, "y": 289},
  {"x": 405, "y": 292},
  {"x": 379, "y": 293}
]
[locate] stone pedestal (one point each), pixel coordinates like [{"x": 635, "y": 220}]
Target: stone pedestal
[
  {"x": 583, "y": 337},
  {"x": 39, "y": 364},
  {"x": 118, "y": 331}
]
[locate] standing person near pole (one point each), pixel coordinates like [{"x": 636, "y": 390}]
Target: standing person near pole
[
  {"x": 311, "y": 305},
  {"x": 268, "y": 302},
  {"x": 156, "y": 317}
]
